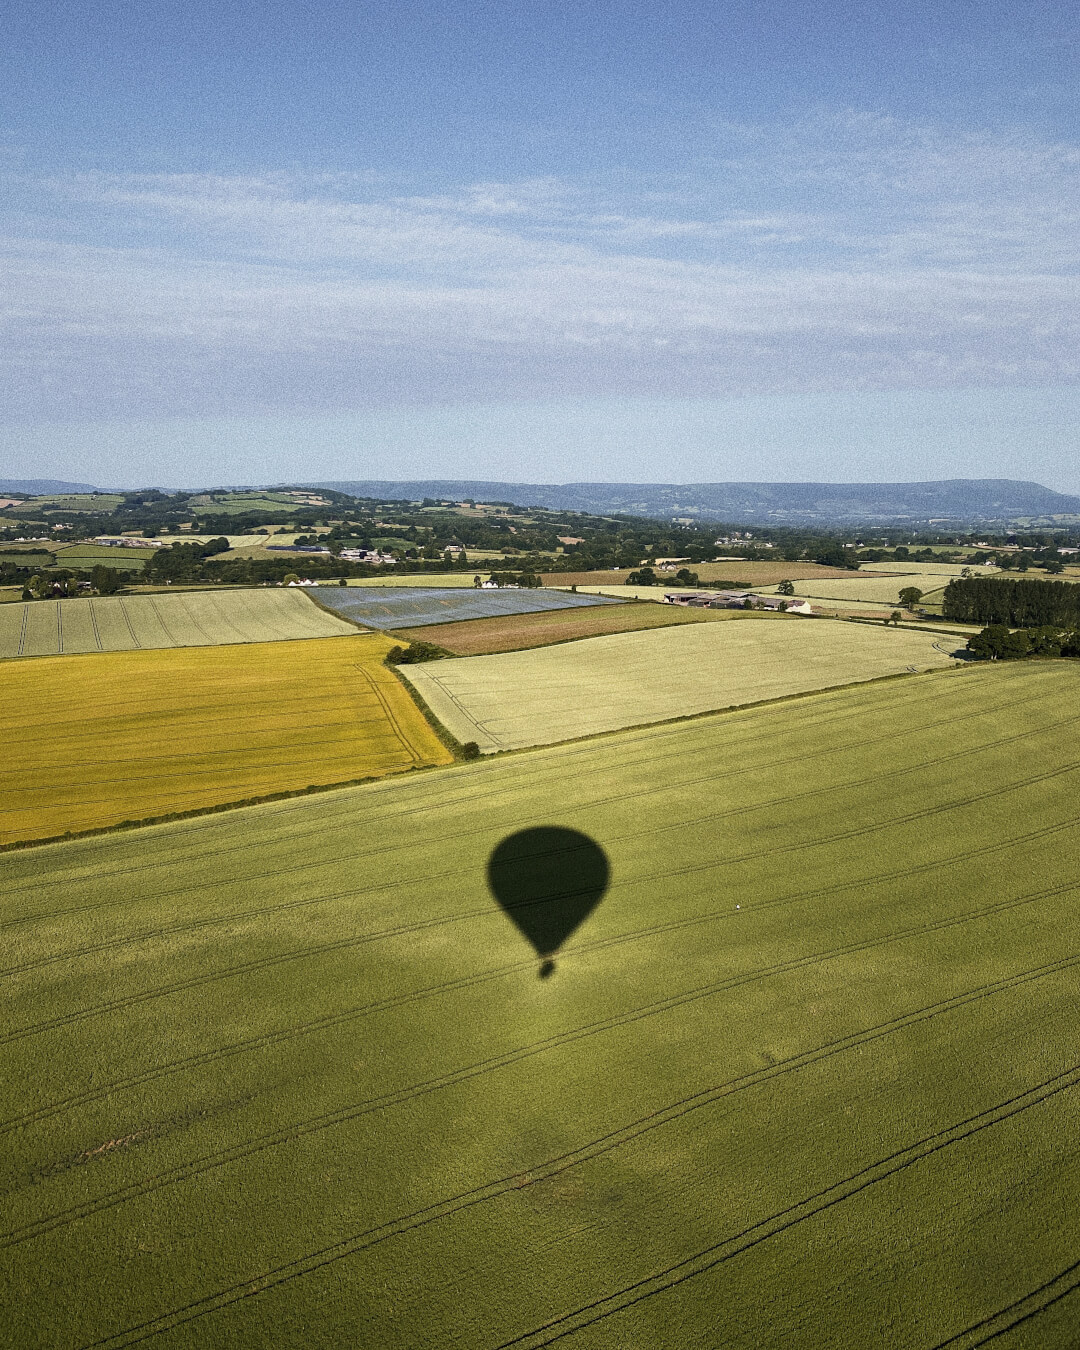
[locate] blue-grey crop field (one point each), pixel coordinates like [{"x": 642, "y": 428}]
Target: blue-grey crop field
[
  {"x": 416, "y": 606},
  {"x": 808, "y": 1074}
]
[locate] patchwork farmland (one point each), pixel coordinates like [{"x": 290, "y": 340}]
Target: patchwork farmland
[
  {"x": 512, "y": 700},
  {"x": 182, "y": 619},
  {"x": 134, "y": 735},
  {"x": 807, "y": 1076}
]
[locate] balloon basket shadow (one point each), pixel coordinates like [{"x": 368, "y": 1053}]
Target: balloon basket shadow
[{"x": 547, "y": 969}]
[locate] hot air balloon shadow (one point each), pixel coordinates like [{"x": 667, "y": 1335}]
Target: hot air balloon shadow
[{"x": 548, "y": 880}]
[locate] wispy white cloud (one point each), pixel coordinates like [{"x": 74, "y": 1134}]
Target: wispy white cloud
[{"x": 846, "y": 252}]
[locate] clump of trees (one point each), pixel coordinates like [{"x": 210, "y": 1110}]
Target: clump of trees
[
  {"x": 997, "y": 642},
  {"x": 524, "y": 580},
  {"x": 413, "y": 653},
  {"x": 831, "y": 553},
  {"x": 54, "y": 586},
  {"x": 1016, "y": 604},
  {"x": 105, "y": 580},
  {"x": 182, "y": 562}
]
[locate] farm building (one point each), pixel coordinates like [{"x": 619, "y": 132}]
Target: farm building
[
  {"x": 792, "y": 604},
  {"x": 126, "y": 541}
]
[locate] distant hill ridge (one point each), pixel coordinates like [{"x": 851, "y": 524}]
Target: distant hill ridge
[
  {"x": 35, "y": 486},
  {"x": 954, "y": 500},
  {"x": 951, "y": 501}
]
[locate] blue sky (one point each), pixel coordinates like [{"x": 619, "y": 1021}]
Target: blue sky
[{"x": 540, "y": 242}]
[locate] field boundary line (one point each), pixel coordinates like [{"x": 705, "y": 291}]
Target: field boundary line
[
  {"x": 22, "y": 629},
  {"x": 695, "y": 716},
  {"x": 556, "y": 1166},
  {"x": 452, "y": 698}
]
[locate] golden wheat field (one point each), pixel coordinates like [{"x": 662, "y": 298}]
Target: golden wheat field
[{"x": 106, "y": 738}]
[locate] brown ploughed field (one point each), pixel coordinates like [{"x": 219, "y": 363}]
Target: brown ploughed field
[{"x": 516, "y": 632}]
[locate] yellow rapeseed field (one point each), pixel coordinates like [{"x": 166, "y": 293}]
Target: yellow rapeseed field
[{"x": 105, "y": 738}]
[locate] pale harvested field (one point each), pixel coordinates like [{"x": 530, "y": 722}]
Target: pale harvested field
[
  {"x": 171, "y": 619},
  {"x": 934, "y": 569},
  {"x": 135, "y": 735},
  {"x": 874, "y": 590},
  {"x": 516, "y": 699},
  {"x": 474, "y": 637},
  {"x": 655, "y": 593},
  {"x": 422, "y": 578}
]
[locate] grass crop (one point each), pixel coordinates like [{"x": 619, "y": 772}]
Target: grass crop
[
  {"x": 519, "y": 632},
  {"x": 512, "y": 700},
  {"x": 135, "y": 735},
  {"x": 85, "y": 557},
  {"x": 807, "y": 1076},
  {"x": 96, "y": 502},
  {"x": 180, "y": 619}
]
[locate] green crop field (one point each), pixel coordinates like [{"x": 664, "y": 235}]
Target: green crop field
[
  {"x": 85, "y": 557},
  {"x": 240, "y": 504},
  {"x": 808, "y": 1076},
  {"x": 72, "y": 501},
  {"x": 517, "y": 699},
  {"x": 26, "y": 558},
  {"x": 180, "y": 619}
]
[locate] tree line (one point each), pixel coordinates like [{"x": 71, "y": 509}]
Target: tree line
[{"x": 1015, "y": 604}]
